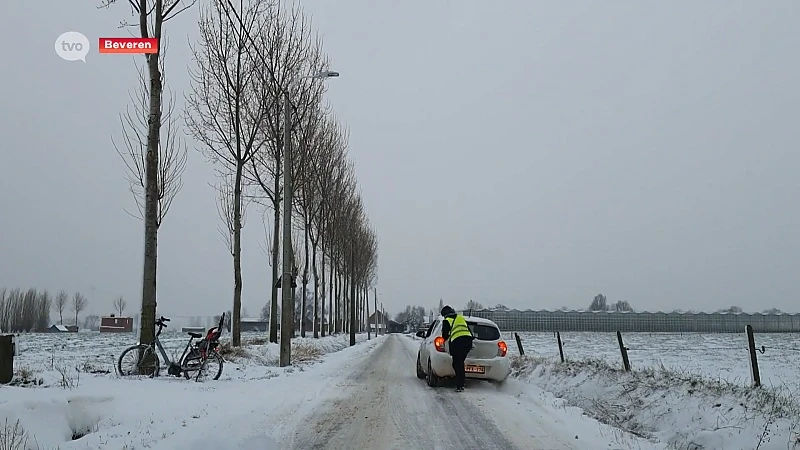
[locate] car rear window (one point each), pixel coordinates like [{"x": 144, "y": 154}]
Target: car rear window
[{"x": 484, "y": 332}]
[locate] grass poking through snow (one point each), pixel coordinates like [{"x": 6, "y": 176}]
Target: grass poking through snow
[{"x": 683, "y": 410}]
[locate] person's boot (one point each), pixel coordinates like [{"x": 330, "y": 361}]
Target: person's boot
[{"x": 460, "y": 389}]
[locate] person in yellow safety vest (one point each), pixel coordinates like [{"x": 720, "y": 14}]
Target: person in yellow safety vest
[{"x": 456, "y": 330}]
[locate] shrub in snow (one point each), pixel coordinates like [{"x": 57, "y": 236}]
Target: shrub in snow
[
  {"x": 13, "y": 436},
  {"x": 683, "y": 410}
]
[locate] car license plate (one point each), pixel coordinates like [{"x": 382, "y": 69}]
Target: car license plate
[{"x": 475, "y": 369}]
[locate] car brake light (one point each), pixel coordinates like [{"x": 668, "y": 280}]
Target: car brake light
[
  {"x": 439, "y": 344},
  {"x": 502, "y": 348}
]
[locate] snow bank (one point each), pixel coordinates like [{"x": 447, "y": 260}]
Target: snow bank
[
  {"x": 64, "y": 363},
  {"x": 60, "y": 402},
  {"x": 663, "y": 405}
]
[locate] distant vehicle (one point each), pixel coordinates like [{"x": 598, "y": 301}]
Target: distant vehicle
[{"x": 487, "y": 360}]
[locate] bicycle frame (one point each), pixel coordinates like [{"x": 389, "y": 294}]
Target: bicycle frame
[
  {"x": 173, "y": 367},
  {"x": 167, "y": 360}
]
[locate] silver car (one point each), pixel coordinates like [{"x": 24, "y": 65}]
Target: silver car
[{"x": 488, "y": 359}]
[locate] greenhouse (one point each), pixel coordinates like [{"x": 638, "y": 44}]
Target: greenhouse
[{"x": 635, "y": 321}]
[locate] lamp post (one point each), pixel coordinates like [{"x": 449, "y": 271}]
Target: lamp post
[{"x": 287, "y": 278}]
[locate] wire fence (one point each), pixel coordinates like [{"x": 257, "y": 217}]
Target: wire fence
[{"x": 743, "y": 358}]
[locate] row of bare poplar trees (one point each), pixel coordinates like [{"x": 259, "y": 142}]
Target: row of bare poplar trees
[
  {"x": 248, "y": 54},
  {"x": 25, "y": 311}
]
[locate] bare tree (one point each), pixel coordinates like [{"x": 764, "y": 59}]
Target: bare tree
[
  {"x": 3, "y": 312},
  {"x": 227, "y": 211},
  {"x": 119, "y": 305},
  {"x": 43, "y": 311},
  {"x": 472, "y": 305},
  {"x": 60, "y": 304},
  {"x": 291, "y": 52},
  {"x": 172, "y": 151},
  {"x": 599, "y": 303},
  {"x": 226, "y": 108},
  {"x": 91, "y": 322},
  {"x": 79, "y": 303},
  {"x": 152, "y": 15}
]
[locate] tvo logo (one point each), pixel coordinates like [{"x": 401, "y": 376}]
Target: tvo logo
[{"x": 72, "y": 46}]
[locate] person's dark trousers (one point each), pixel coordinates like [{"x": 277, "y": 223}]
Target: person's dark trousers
[{"x": 459, "y": 347}]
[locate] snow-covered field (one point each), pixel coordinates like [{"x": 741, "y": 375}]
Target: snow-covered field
[
  {"x": 48, "y": 354},
  {"x": 689, "y": 391},
  {"x": 71, "y": 389},
  {"x": 717, "y": 356}
]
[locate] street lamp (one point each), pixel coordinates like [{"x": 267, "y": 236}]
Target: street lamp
[{"x": 287, "y": 277}]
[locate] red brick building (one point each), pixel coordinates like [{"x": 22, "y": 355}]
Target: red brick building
[{"x": 113, "y": 324}]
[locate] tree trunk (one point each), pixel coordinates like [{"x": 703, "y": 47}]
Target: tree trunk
[
  {"x": 352, "y": 297},
  {"x": 295, "y": 325},
  {"x": 337, "y": 328},
  {"x": 276, "y": 232},
  {"x": 345, "y": 303},
  {"x": 316, "y": 321},
  {"x": 322, "y": 267},
  {"x": 305, "y": 283},
  {"x": 331, "y": 324},
  {"x": 366, "y": 302},
  {"x": 236, "y": 320},
  {"x": 375, "y": 299},
  {"x": 147, "y": 325}
]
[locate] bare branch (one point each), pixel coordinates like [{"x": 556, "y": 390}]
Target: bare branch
[{"x": 172, "y": 151}]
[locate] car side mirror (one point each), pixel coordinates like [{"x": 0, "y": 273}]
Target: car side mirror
[{"x": 421, "y": 334}]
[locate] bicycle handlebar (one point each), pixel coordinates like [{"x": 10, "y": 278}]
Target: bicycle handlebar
[{"x": 160, "y": 322}]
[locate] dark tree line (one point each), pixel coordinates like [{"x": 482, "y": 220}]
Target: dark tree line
[
  {"x": 26, "y": 311},
  {"x": 249, "y": 57},
  {"x": 412, "y": 317},
  {"x": 600, "y": 303}
]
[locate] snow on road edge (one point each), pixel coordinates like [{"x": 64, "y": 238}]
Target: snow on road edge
[
  {"x": 130, "y": 413},
  {"x": 681, "y": 410}
]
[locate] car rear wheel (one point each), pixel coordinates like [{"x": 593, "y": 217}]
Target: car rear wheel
[
  {"x": 420, "y": 372},
  {"x": 431, "y": 378}
]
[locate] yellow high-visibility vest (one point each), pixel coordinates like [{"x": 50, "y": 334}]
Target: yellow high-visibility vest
[{"x": 458, "y": 326}]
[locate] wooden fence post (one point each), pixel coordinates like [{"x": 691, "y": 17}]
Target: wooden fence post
[
  {"x": 560, "y": 346},
  {"x": 6, "y": 358},
  {"x": 751, "y": 346},
  {"x": 624, "y": 351},
  {"x": 519, "y": 344}
]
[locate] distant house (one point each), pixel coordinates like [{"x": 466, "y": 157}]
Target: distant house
[
  {"x": 308, "y": 324},
  {"x": 382, "y": 321},
  {"x": 253, "y": 325},
  {"x": 395, "y": 327},
  {"x": 200, "y": 330},
  {"x": 112, "y": 324},
  {"x": 62, "y": 329}
]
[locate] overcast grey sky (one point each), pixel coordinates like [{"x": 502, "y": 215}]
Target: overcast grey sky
[{"x": 519, "y": 152}]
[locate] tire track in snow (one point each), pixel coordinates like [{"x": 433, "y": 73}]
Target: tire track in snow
[{"x": 383, "y": 406}]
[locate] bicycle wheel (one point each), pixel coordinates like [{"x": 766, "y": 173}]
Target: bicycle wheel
[
  {"x": 212, "y": 366},
  {"x": 138, "y": 360}
]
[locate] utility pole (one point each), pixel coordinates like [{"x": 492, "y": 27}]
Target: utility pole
[{"x": 287, "y": 278}]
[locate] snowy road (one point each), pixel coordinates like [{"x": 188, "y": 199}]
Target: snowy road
[
  {"x": 382, "y": 405},
  {"x": 363, "y": 397}
]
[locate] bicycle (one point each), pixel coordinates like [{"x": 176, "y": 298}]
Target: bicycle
[{"x": 195, "y": 357}]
